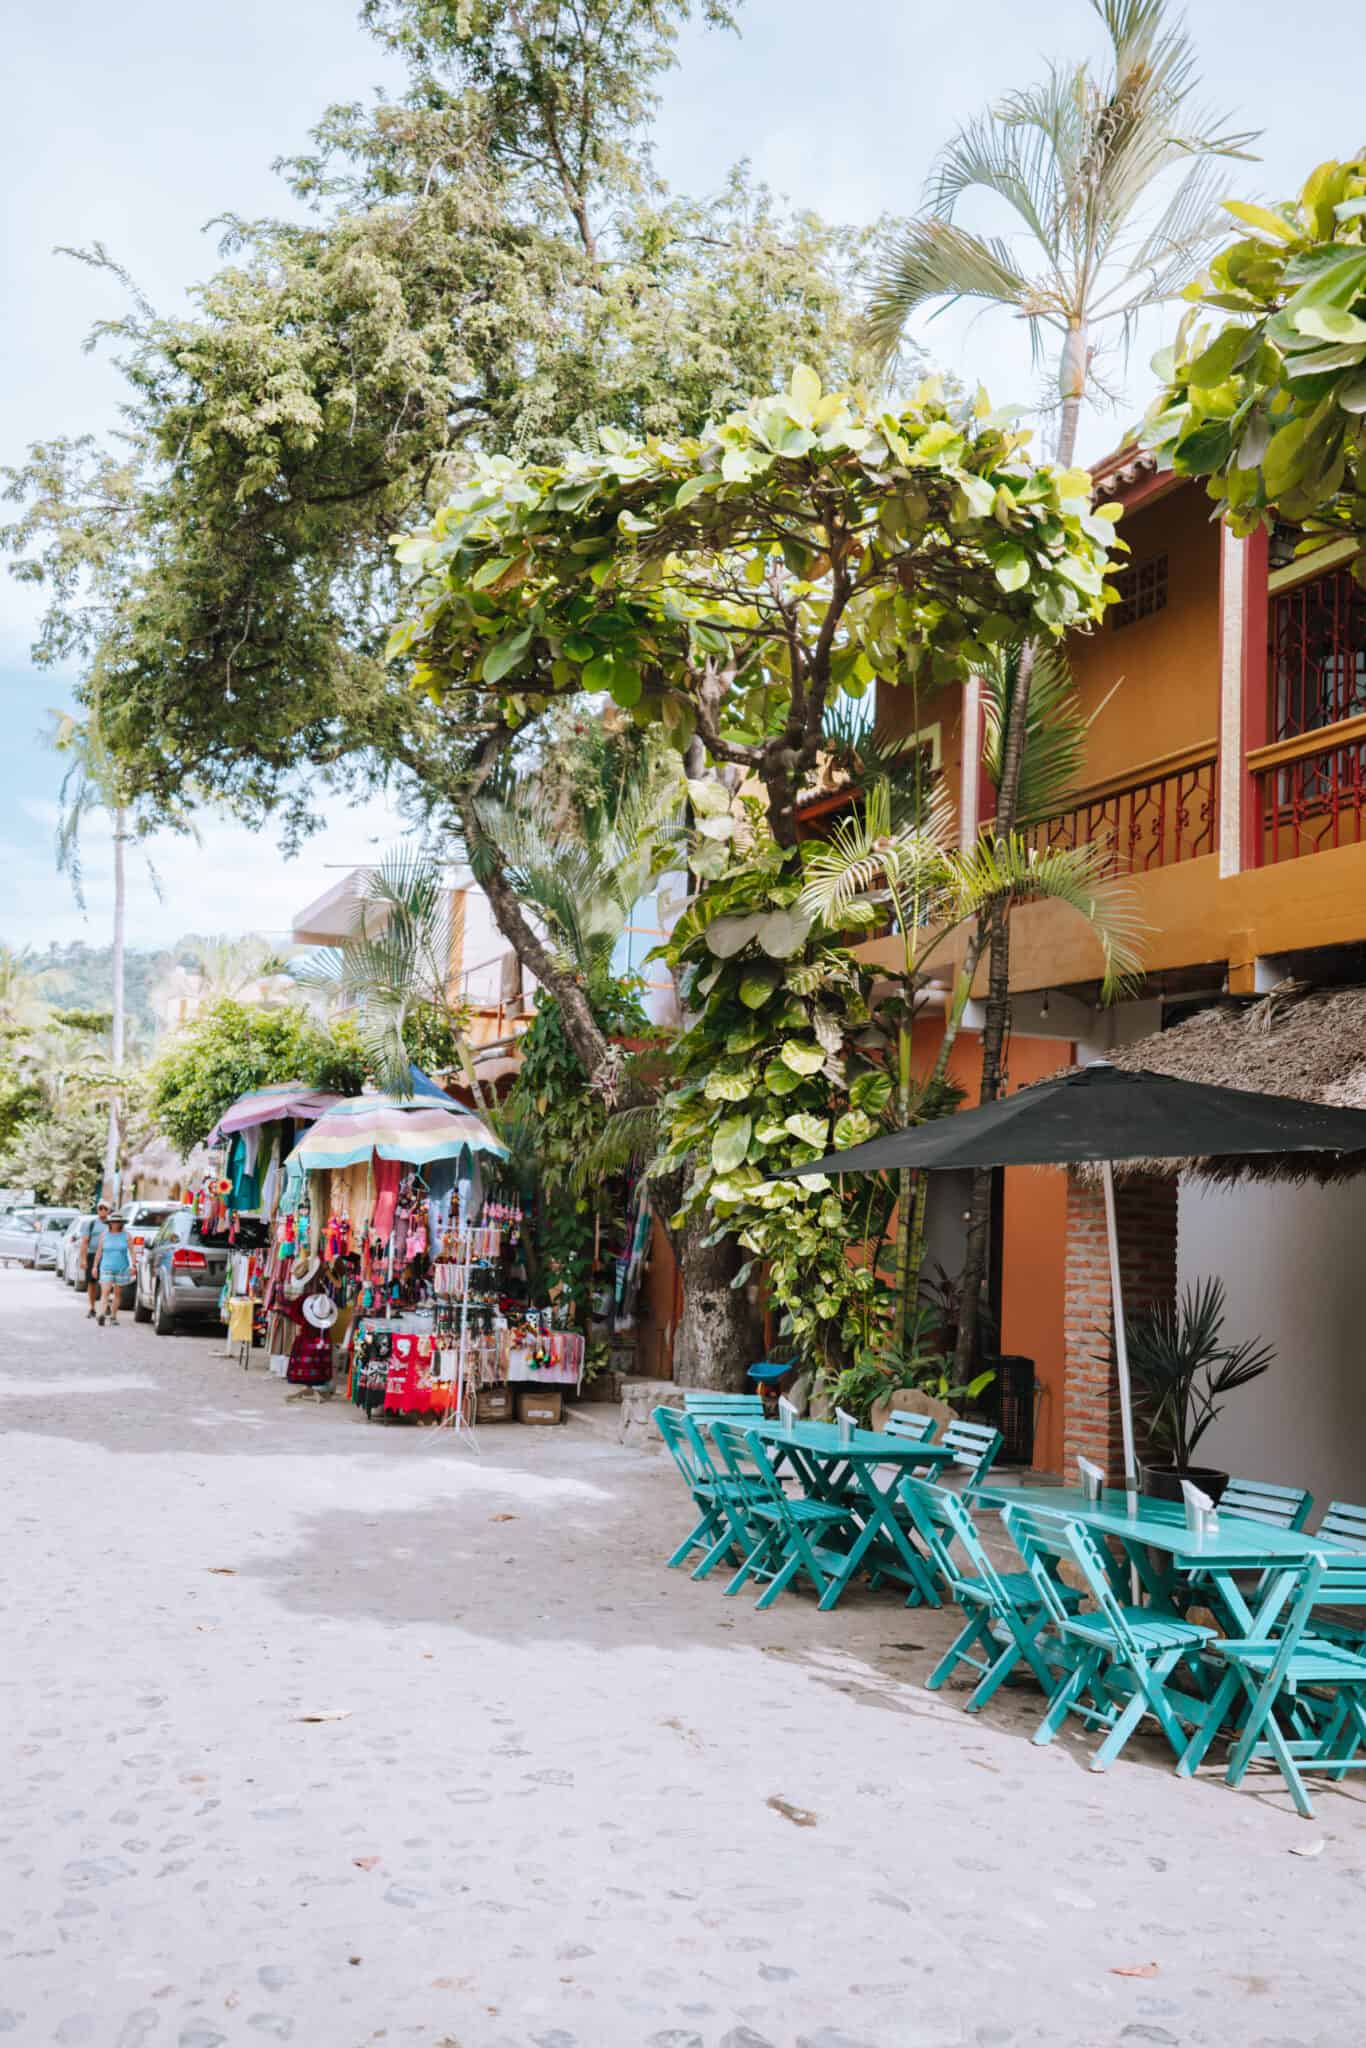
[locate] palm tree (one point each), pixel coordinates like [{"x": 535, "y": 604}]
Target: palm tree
[
  {"x": 582, "y": 871},
  {"x": 870, "y": 867},
  {"x": 92, "y": 783},
  {"x": 1078, "y": 159},
  {"x": 396, "y": 965},
  {"x": 1082, "y": 160}
]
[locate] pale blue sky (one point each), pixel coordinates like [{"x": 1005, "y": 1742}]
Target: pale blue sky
[{"x": 135, "y": 125}]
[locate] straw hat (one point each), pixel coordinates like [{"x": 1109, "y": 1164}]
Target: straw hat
[{"x": 321, "y": 1311}]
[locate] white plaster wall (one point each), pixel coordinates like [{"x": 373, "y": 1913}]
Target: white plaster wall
[{"x": 1293, "y": 1262}]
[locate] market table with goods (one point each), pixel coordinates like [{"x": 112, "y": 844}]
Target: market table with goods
[
  {"x": 367, "y": 1254},
  {"x": 1208, "y": 1624}
]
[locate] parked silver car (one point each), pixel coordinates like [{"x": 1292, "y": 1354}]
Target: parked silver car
[
  {"x": 33, "y": 1237},
  {"x": 71, "y": 1257},
  {"x": 19, "y": 1233},
  {"x": 180, "y": 1275}
]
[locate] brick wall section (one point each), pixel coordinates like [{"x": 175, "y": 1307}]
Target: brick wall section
[{"x": 1146, "y": 1212}]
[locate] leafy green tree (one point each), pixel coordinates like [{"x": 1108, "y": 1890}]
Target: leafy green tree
[
  {"x": 1270, "y": 404},
  {"x": 58, "y": 1154},
  {"x": 475, "y": 279},
  {"x": 231, "y": 1048},
  {"x": 730, "y": 587}
]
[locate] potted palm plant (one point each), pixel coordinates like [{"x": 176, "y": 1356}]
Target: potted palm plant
[{"x": 1181, "y": 1368}]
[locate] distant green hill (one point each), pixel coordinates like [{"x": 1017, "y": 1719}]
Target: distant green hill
[{"x": 81, "y": 977}]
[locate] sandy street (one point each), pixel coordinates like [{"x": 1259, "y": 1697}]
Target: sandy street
[{"x": 338, "y": 1734}]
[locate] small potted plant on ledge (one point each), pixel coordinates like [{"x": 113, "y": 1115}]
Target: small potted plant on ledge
[{"x": 1181, "y": 1369}]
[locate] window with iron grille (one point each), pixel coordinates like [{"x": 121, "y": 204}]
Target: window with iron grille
[
  {"x": 1318, "y": 654},
  {"x": 1142, "y": 590}
]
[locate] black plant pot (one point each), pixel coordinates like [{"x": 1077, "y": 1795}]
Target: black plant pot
[{"x": 1163, "y": 1482}]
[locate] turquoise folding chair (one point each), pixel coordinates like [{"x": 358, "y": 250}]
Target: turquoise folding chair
[
  {"x": 700, "y": 1480},
  {"x": 1314, "y": 1682},
  {"x": 1006, "y": 1620},
  {"x": 1344, "y": 1526},
  {"x": 975, "y": 1447},
  {"x": 1253, "y": 1500},
  {"x": 1117, "y": 1646},
  {"x": 702, "y": 1402},
  {"x": 1256, "y": 1500},
  {"x": 913, "y": 1428},
  {"x": 791, "y": 1535}
]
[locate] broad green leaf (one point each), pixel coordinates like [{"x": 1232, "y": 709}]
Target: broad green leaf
[
  {"x": 871, "y": 1092},
  {"x": 505, "y": 656},
  {"x": 720, "y": 829},
  {"x": 709, "y": 799},
  {"x": 809, "y": 1129},
  {"x": 729, "y": 1087},
  {"x": 626, "y": 685},
  {"x": 579, "y": 648},
  {"x": 803, "y": 1059},
  {"x": 730, "y": 1143},
  {"x": 804, "y": 391},
  {"x": 1261, "y": 218},
  {"x": 1221, "y": 358},
  {"x": 1011, "y": 564},
  {"x": 757, "y": 986},
  {"x": 598, "y": 673},
  {"x": 851, "y": 1129},
  {"x": 727, "y": 936},
  {"x": 1286, "y": 461},
  {"x": 1352, "y": 394},
  {"x": 489, "y": 572},
  {"x": 1330, "y": 323},
  {"x": 779, "y": 1079},
  {"x": 686, "y": 492},
  {"x": 782, "y": 933}
]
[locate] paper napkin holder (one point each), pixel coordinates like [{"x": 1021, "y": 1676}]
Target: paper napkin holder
[
  {"x": 1202, "y": 1517},
  {"x": 847, "y": 1425},
  {"x": 1092, "y": 1481},
  {"x": 787, "y": 1413}
]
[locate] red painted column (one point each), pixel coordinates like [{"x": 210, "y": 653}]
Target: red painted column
[{"x": 1256, "y": 692}]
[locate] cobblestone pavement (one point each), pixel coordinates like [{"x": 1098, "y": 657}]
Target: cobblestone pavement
[{"x": 575, "y": 1801}]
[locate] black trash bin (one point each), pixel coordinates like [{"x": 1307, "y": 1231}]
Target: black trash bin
[{"x": 1009, "y": 1400}]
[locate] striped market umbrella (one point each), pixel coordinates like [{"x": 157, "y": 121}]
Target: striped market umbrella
[
  {"x": 417, "y": 1132},
  {"x": 268, "y": 1105}
]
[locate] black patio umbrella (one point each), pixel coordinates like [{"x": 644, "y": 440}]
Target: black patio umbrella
[{"x": 1096, "y": 1116}]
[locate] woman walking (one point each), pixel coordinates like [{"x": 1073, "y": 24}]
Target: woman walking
[{"x": 116, "y": 1269}]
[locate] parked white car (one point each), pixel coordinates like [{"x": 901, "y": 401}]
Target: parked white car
[
  {"x": 19, "y": 1237},
  {"x": 71, "y": 1256},
  {"x": 33, "y": 1237}
]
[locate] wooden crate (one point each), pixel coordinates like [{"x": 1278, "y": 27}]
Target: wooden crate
[{"x": 539, "y": 1405}]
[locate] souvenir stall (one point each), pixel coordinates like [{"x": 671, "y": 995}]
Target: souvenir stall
[
  {"x": 384, "y": 1209},
  {"x": 237, "y": 1202}
]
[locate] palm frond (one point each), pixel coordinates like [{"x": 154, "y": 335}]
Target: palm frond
[
  {"x": 935, "y": 260},
  {"x": 628, "y": 1138},
  {"x": 1056, "y": 728},
  {"x": 1008, "y": 159},
  {"x": 1011, "y": 870}
]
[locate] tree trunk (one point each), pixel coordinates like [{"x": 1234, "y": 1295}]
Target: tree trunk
[
  {"x": 1072, "y": 373},
  {"x": 994, "y": 1026},
  {"x": 111, "y": 1143},
  {"x": 721, "y": 1332}
]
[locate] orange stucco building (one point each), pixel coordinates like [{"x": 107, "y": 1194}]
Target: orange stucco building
[{"x": 1226, "y": 777}]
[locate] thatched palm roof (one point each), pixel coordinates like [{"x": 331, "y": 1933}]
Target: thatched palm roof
[{"x": 1299, "y": 1041}]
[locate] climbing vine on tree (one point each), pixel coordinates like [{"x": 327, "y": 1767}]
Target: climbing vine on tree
[{"x": 767, "y": 1076}]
